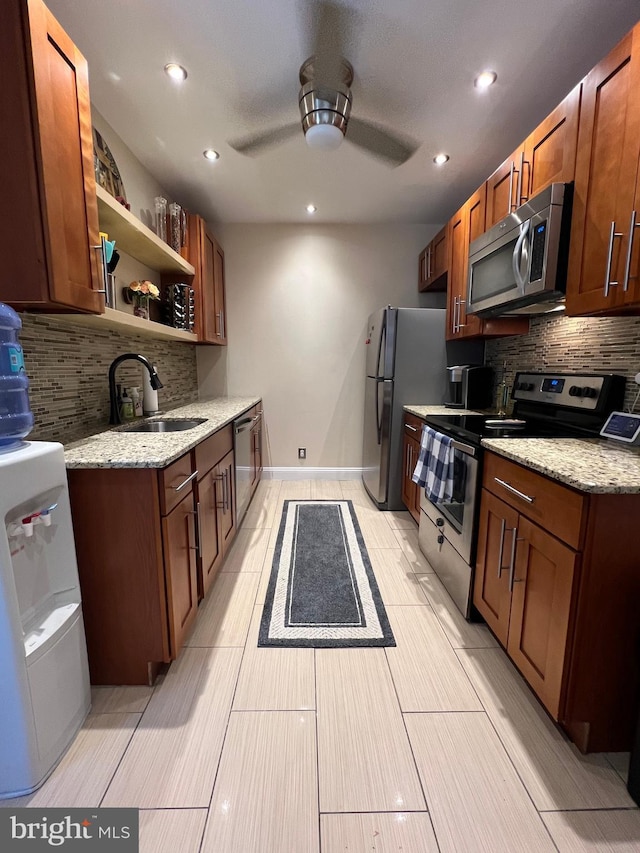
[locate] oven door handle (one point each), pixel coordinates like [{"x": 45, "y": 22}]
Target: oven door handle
[{"x": 463, "y": 448}]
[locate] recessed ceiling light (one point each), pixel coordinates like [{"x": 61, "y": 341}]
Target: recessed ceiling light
[
  {"x": 210, "y": 154},
  {"x": 485, "y": 79},
  {"x": 175, "y": 71},
  {"x": 439, "y": 159},
  {"x": 311, "y": 208}
]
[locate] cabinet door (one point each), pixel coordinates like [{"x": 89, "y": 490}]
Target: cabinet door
[
  {"x": 540, "y": 611},
  {"x": 226, "y": 500},
  {"x": 47, "y": 170},
  {"x": 501, "y": 189},
  {"x": 496, "y": 553},
  {"x": 178, "y": 535},
  {"x": 475, "y": 210},
  {"x": 550, "y": 151},
  {"x": 606, "y": 171},
  {"x": 439, "y": 255},
  {"x": 423, "y": 269},
  {"x": 210, "y": 546},
  {"x": 410, "y": 490},
  {"x": 220, "y": 304},
  {"x": 457, "y": 243}
]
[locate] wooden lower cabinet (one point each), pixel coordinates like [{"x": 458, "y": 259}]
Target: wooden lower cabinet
[
  {"x": 179, "y": 546},
  {"x": 215, "y": 496},
  {"x": 544, "y": 572},
  {"x": 149, "y": 543},
  {"x": 410, "y": 453},
  {"x": 565, "y": 611}
]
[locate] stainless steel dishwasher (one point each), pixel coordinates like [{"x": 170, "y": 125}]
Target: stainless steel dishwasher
[{"x": 242, "y": 449}]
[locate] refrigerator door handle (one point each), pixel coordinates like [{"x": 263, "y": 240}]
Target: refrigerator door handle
[
  {"x": 379, "y": 385},
  {"x": 382, "y": 340}
]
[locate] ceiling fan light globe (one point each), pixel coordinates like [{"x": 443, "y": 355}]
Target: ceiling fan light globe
[{"x": 326, "y": 137}]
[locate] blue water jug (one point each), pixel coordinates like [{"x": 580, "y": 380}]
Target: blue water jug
[{"x": 16, "y": 418}]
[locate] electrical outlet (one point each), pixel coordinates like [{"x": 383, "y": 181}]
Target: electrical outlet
[{"x": 302, "y": 453}]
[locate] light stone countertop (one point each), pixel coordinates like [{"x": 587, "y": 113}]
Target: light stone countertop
[
  {"x": 425, "y": 411},
  {"x": 117, "y": 449},
  {"x": 591, "y": 465}
]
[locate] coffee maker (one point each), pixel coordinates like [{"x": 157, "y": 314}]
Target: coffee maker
[{"x": 470, "y": 386}]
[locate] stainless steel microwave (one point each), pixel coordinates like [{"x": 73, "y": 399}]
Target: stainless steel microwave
[{"x": 520, "y": 265}]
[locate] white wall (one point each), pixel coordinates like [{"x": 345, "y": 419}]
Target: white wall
[{"x": 298, "y": 298}]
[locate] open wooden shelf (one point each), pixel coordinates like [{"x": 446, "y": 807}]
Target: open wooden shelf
[
  {"x": 133, "y": 237},
  {"x": 121, "y": 321}
]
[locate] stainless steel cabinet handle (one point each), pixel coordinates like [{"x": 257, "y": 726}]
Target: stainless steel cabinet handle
[
  {"x": 184, "y": 482},
  {"x": 513, "y": 491},
  {"x": 519, "y": 184},
  {"x": 632, "y": 230},
  {"x": 408, "y": 426},
  {"x": 512, "y": 561},
  {"x": 510, "y": 200},
  {"x": 429, "y": 263},
  {"x": 227, "y": 491},
  {"x": 218, "y": 324},
  {"x": 103, "y": 266},
  {"x": 607, "y": 282},
  {"x": 455, "y": 315},
  {"x": 503, "y": 527},
  {"x": 220, "y": 478},
  {"x": 223, "y": 324},
  {"x": 525, "y": 197},
  {"x": 461, "y": 302}
]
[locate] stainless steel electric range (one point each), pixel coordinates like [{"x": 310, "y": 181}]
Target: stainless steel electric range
[{"x": 546, "y": 405}]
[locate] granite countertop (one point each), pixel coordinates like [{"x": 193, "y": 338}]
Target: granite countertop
[
  {"x": 441, "y": 409},
  {"x": 591, "y": 465},
  {"x": 118, "y": 449}
]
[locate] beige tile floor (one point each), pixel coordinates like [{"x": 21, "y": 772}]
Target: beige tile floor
[{"x": 434, "y": 745}]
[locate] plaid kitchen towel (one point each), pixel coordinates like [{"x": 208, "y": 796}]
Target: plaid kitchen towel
[{"x": 435, "y": 467}]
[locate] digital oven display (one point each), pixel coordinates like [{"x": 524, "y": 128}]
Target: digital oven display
[{"x": 555, "y": 385}]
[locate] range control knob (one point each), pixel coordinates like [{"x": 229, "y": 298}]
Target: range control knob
[
  {"x": 575, "y": 391},
  {"x": 440, "y": 539},
  {"x": 524, "y": 386},
  {"x": 589, "y": 392},
  {"x": 440, "y": 522}
]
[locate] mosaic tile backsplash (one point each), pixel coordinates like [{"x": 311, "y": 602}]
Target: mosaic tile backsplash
[
  {"x": 572, "y": 344},
  {"x": 68, "y": 368}
]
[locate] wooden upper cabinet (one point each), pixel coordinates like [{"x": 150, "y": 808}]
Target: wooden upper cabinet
[
  {"x": 433, "y": 263},
  {"x": 464, "y": 227},
  {"x": 549, "y": 154},
  {"x": 46, "y": 166},
  {"x": 206, "y": 255},
  {"x": 501, "y": 189},
  {"x": 600, "y": 265}
]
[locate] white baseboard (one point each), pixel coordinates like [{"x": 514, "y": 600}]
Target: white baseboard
[{"x": 303, "y": 473}]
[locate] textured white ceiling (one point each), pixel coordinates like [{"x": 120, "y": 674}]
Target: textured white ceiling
[{"x": 414, "y": 62}]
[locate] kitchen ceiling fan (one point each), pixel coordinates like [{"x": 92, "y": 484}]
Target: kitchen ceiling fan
[{"x": 325, "y": 99}]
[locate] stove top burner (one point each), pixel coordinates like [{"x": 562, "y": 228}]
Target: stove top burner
[{"x": 473, "y": 428}]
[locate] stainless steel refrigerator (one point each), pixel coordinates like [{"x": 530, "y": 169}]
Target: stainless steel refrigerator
[{"x": 406, "y": 359}]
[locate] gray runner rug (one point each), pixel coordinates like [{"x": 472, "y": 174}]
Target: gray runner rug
[{"x": 322, "y": 591}]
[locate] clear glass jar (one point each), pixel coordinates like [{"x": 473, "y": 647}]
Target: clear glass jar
[
  {"x": 161, "y": 217},
  {"x": 175, "y": 226}
]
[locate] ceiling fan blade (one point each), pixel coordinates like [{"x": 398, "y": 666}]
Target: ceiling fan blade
[
  {"x": 330, "y": 23},
  {"x": 257, "y": 141},
  {"x": 380, "y": 142}
]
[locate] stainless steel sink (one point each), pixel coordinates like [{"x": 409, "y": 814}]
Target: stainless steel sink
[{"x": 165, "y": 425}]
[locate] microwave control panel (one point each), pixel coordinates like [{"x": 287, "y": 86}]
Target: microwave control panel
[{"x": 538, "y": 244}]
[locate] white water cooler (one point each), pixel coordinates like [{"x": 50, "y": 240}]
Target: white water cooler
[{"x": 44, "y": 676}]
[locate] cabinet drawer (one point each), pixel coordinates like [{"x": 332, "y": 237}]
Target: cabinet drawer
[
  {"x": 175, "y": 483},
  {"x": 210, "y": 451},
  {"x": 412, "y": 426},
  {"x": 554, "y": 507}
]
